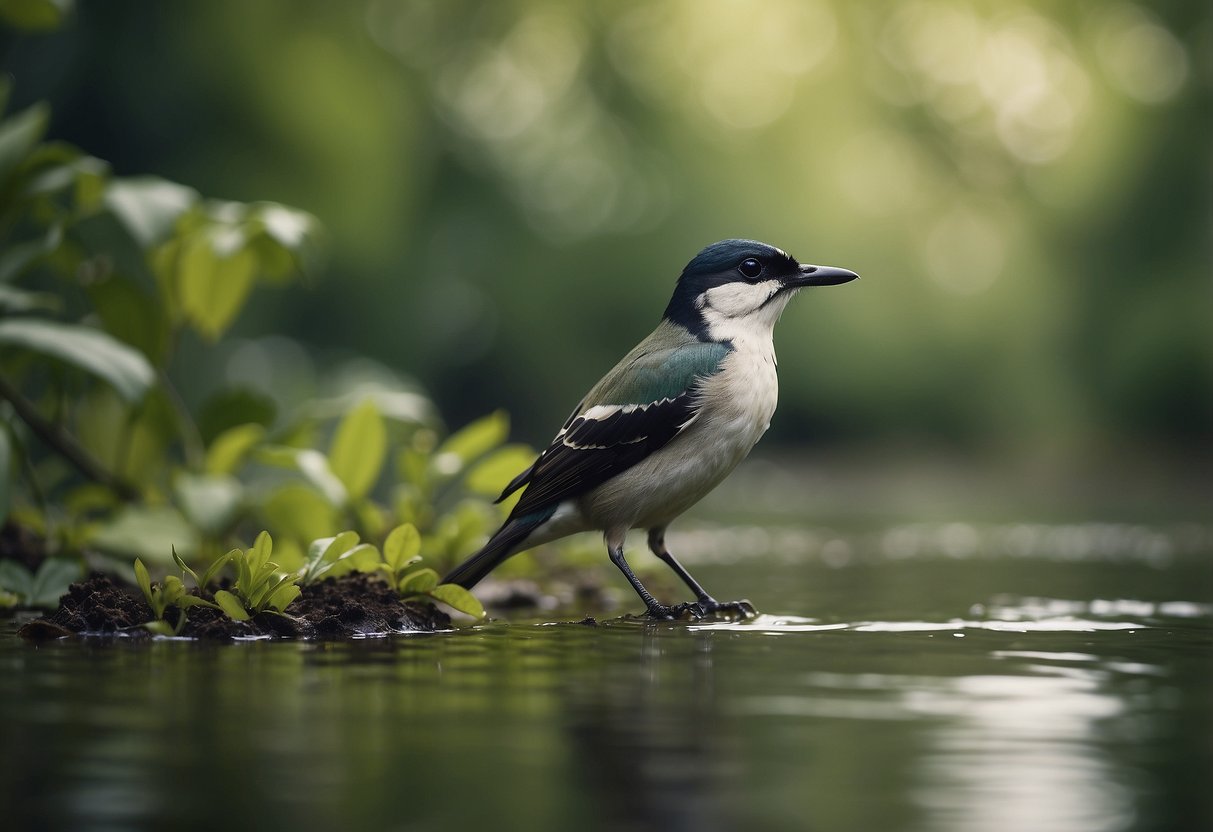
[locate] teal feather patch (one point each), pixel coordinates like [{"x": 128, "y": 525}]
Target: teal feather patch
[{"x": 663, "y": 366}]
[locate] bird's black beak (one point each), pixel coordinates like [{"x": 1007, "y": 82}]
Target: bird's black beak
[{"x": 819, "y": 276}]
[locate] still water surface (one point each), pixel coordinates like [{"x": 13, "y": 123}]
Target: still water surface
[{"x": 894, "y": 692}]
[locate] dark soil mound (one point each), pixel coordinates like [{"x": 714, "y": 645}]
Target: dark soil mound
[{"x": 352, "y": 606}]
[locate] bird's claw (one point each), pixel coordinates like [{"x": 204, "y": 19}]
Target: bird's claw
[{"x": 696, "y": 610}]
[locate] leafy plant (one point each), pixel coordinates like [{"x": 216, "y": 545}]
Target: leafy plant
[
  {"x": 400, "y": 552},
  {"x": 172, "y": 592},
  {"x": 326, "y": 553},
  {"x": 42, "y": 588},
  {"x": 260, "y": 584}
]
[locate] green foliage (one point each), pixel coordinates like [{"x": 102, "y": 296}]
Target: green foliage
[
  {"x": 137, "y": 265},
  {"x": 260, "y": 585},
  {"x": 400, "y": 552},
  {"x": 41, "y": 589},
  {"x": 171, "y": 593},
  {"x": 325, "y": 554}
]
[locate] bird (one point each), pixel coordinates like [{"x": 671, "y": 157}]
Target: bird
[{"x": 666, "y": 424}]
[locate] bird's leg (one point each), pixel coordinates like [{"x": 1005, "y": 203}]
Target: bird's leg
[
  {"x": 706, "y": 602},
  {"x": 654, "y": 608}
]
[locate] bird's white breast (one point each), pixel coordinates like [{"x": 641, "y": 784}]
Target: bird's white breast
[{"x": 737, "y": 405}]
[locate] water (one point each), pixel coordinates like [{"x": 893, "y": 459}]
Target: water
[{"x": 885, "y": 689}]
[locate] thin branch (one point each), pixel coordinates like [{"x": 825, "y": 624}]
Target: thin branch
[{"x": 62, "y": 443}]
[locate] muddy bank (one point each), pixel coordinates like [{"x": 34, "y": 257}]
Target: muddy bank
[{"x": 352, "y": 606}]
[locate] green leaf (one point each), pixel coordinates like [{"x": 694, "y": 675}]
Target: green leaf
[
  {"x": 145, "y": 584},
  {"x": 51, "y": 580},
  {"x": 281, "y": 598},
  {"x": 212, "y": 282},
  {"x": 495, "y": 471},
  {"x": 259, "y": 555},
  {"x": 16, "y": 578},
  {"x": 471, "y": 442},
  {"x": 159, "y": 627},
  {"x": 148, "y": 206},
  {"x": 19, "y": 134},
  {"x": 149, "y": 532},
  {"x": 216, "y": 565},
  {"x": 185, "y": 569},
  {"x": 230, "y": 448},
  {"x": 416, "y": 583},
  {"x": 458, "y": 598},
  {"x": 91, "y": 350},
  {"x": 358, "y": 449},
  {"x": 402, "y": 546},
  {"x": 298, "y": 511},
  {"x": 210, "y": 502},
  {"x": 19, "y": 300},
  {"x": 231, "y": 605}
]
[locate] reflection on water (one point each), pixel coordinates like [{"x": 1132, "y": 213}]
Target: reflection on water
[{"x": 1009, "y": 712}]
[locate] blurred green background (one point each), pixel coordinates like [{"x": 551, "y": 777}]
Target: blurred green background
[{"x": 510, "y": 189}]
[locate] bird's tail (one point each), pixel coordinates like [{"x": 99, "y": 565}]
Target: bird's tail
[{"x": 501, "y": 545}]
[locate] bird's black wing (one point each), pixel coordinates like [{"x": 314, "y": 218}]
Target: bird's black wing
[
  {"x": 597, "y": 446},
  {"x": 637, "y": 408}
]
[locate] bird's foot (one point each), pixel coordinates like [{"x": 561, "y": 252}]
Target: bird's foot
[
  {"x": 708, "y": 607},
  {"x": 731, "y": 609},
  {"x": 675, "y": 612}
]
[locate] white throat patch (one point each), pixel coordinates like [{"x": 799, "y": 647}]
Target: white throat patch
[{"x": 743, "y": 310}]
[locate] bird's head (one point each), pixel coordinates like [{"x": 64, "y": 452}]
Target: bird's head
[{"x": 738, "y": 286}]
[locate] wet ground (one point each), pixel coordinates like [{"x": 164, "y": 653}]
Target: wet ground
[{"x": 945, "y": 677}]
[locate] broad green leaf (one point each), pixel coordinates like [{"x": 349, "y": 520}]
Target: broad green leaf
[
  {"x": 403, "y": 544},
  {"x": 230, "y": 448},
  {"x": 212, "y": 285},
  {"x": 495, "y": 471},
  {"x": 298, "y": 511},
  {"x": 421, "y": 581},
  {"x": 19, "y": 134},
  {"x": 51, "y": 580},
  {"x": 91, "y": 350},
  {"x": 474, "y": 440},
  {"x": 150, "y": 532},
  {"x": 15, "y": 577},
  {"x": 458, "y": 598},
  {"x": 7, "y": 472},
  {"x": 282, "y": 597},
  {"x": 211, "y": 502},
  {"x": 231, "y": 605},
  {"x": 263, "y": 547},
  {"x": 358, "y": 449},
  {"x": 143, "y": 579},
  {"x": 149, "y": 207},
  {"x": 173, "y": 589},
  {"x": 312, "y": 464}
]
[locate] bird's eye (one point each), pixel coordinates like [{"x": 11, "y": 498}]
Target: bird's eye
[{"x": 750, "y": 268}]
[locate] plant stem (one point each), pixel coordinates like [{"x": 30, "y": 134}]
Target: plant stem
[
  {"x": 64, "y": 444},
  {"x": 191, "y": 437}
]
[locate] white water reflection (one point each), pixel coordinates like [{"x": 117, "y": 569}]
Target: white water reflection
[{"x": 779, "y": 624}]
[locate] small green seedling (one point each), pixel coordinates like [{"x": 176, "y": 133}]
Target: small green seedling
[
  {"x": 170, "y": 593},
  {"x": 327, "y": 552},
  {"x": 400, "y": 551},
  {"x": 260, "y": 586}
]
